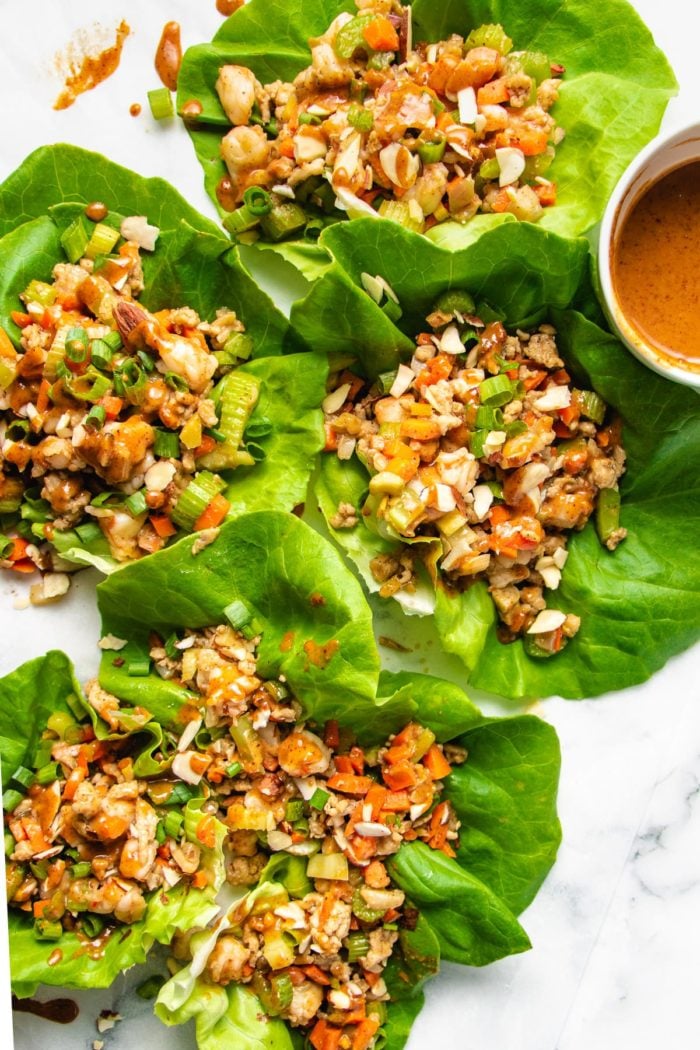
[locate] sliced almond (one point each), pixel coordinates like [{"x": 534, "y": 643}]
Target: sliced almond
[
  {"x": 548, "y": 620},
  {"x": 511, "y": 162}
]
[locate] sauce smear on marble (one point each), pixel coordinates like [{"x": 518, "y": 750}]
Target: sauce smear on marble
[
  {"x": 656, "y": 266},
  {"x": 86, "y": 69},
  {"x": 61, "y": 1011},
  {"x": 169, "y": 55}
]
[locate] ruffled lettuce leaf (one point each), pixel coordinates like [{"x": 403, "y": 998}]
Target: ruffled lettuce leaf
[
  {"x": 316, "y": 624},
  {"x": 225, "y": 1018},
  {"x": 27, "y": 697},
  {"x": 639, "y": 604},
  {"x": 614, "y": 92}
]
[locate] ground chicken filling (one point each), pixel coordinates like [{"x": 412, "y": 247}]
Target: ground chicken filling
[
  {"x": 305, "y": 807},
  {"x": 114, "y": 420},
  {"x": 313, "y": 945},
  {"x": 419, "y": 135},
  {"x": 486, "y": 456},
  {"x": 90, "y": 842}
]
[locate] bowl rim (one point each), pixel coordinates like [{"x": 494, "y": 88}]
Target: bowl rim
[{"x": 631, "y": 338}]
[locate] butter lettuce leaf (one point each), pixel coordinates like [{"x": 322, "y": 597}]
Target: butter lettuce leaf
[
  {"x": 639, "y": 604},
  {"x": 614, "y": 91}
]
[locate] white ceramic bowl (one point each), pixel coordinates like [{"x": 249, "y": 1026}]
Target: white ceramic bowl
[{"x": 666, "y": 152}]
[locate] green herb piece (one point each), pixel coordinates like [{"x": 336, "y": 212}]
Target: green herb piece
[
  {"x": 319, "y": 799},
  {"x": 161, "y": 102}
]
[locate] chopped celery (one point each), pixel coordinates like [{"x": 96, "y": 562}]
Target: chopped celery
[
  {"x": 196, "y": 497},
  {"x": 350, "y": 37},
  {"x": 432, "y": 150},
  {"x": 493, "y": 36},
  {"x": 360, "y": 118},
  {"x": 278, "y": 949},
  {"x": 283, "y": 221},
  {"x": 404, "y": 511},
  {"x": 247, "y": 743},
  {"x": 39, "y": 292},
  {"x": 102, "y": 241},
  {"x": 607, "y": 517},
  {"x": 400, "y": 212},
  {"x": 238, "y": 396},
  {"x": 328, "y": 866},
  {"x": 75, "y": 238},
  {"x": 161, "y": 102},
  {"x": 457, "y": 301},
  {"x": 240, "y": 220}
]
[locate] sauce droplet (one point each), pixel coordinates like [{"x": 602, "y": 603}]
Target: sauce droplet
[
  {"x": 228, "y": 7},
  {"x": 169, "y": 55},
  {"x": 225, "y": 195},
  {"x": 87, "y": 72},
  {"x": 191, "y": 108},
  {"x": 96, "y": 211},
  {"x": 55, "y": 957},
  {"x": 61, "y": 1011},
  {"x": 135, "y": 109}
]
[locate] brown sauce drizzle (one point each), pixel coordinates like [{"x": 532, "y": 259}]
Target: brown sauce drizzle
[
  {"x": 227, "y": 7},
  {"x": 61, "y": 1011},
  {"x": 135, "y": 109},
  {"x": 225, "y": 195},
  {"x": 192, "y": 108},
  {"x": 169, "y": 55},
  {"x": 89, "y": 71},
  {"x": 655, "y": 265},
  {"x": 321, "y": 655}
]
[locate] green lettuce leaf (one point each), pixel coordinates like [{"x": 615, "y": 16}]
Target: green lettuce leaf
[
  {"x": 614, "y": 92},
  {"x": 295, "y": 584},
  {"x": 639, "y": 605},
  {"x": 226, "y": 1018},
  {"x": 27, "y": 697}
]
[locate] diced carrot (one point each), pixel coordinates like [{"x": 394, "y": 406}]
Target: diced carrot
[
  {"x": 561, "y": 430},
  {"x": 112, "y": 405},
  {"x": 357, "y": 1014},
  {"x": 498, "y": 514},
  {"x": 213, "y": 514},
  {"x": 503, "y": 200},
  {"x": 206, "y": 445},
  {"x": 546, "y": 193},
  {"x": 420, "y": 408},
  {"x": 357, "y": 759},
  {"x": 163, "y": 525},
  {"x": 365, "y": 1033},
  {"x": 397, "y": 802},
  {"x": 331, "y": 734},
  {"x": 437, "y": 368},
  {"x": 325, "y": 1036},
  {"x": 200, "y": 880},
  {"x": 479, "y": 65},
  {"x": 286, "y": 148},
  {"x": 343, "y": 764},
  {"x": 33, "y": 831},
  {"x": 371, "y": 978},
  {"x": 39, "y": 907},
  {"x": 43, "y": 400},
  {"x": 331, "y": 444},
  {"x": 405, "y": 466},
  {"x": 493, "y": 93},
  {"x": 561, "y": 376},
  {"x": 534, "y": 380},
  {"x": 7, "y": 348},
  {"x": 316, "y": 974},
  {"x": 200, "y": 763},
  {"x": 402, "y": 775},
  {"x": 420, "y": 429},
  {"x": 206, "y": 831},
  {"x": 568, "y": 414},
  {"x": 376, "y": 797},
  {"x": 364, "y": 848},
  {"x": 19, "y": 549},
  {"x": 20, "y": 319},
  {"x": 436, "y": 763},
  {"x": 24, "y": 565},
  {"x": 356, "y": 383},
  {"x": 381, "y": 35},
  {"x": 349, "y": 784},
  {"x": 531, "y": 141}
]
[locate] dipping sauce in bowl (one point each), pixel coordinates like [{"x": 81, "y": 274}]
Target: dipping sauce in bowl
[
  {"x": 649, "y": 256},
  {"x": 656, "y": 266}
]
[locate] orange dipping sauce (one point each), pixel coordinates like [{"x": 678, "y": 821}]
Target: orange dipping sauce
[{"x": 655, "y": 266}]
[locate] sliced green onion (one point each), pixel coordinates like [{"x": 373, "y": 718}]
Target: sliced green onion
[
  {"x": 130, "y": 379},
  {"x": 166, "y": 444},
  {"x": 258, "y": 428},
  {"x": 149, "y": 988},
  {"x": 385, "y": 381},
  {"x": 42, "y": 754},
  {"x": 392, "y": 310},
  {"x": 294, "y": 810},
  {"x": 75, "y": 239},
  {"x": 362, "y": 910},
  {"x": 102, "y": 240},
  {"x": 136, "y": 503},
  {"x": 350, "y": 37},
  {"x": 23, "y": 776},
  {"x": 39, "y": 292},
  {"x": 238, "y": 614},
  {"x": 234, "y": 769},
  {"x": 138, "y": 667},
  {"x": 515, "y": 428},
  {"x": 160, "y": 833},
  {"x": 314, "y": 228},
  {"x": 76, "y": 707},
  {"x": 309, "y": 118},
  {"x": 46, "y": 930},
  {"x": 284, "y": 220},
  {"x": 239, "y": 395},
  {"x": 319, "y": 798},
  {"x": 380, "y": 60},
  {"x": 10, "y": 847},
  {"x": 240, "y": 220},
  {"x": 17, "y": 429},
  {"x": 257, "y": 200},
  {"x": 476, "y": 442},
  {"x": 36, "y": 510},
  {"x": 170, "y": 646},
  {"x": 92, "y": 925},
  {"x": 432, "y": 151},
  {"x": 113, "y": 340},
  {"x": 591, "y": 405},
  {"x": 11, "y": 800},
  {"x": 48, "y": 773},
  {"x": 81, "y": 870},
  {"x": 181, "y": 794},
  {"x": 489, "y": 417},
  {"x": 534, "y": 649},
  {"x": 361, "y": 118},
  {"x": 101, "y": 353},
  {"x": 161, "y": 102},
  {"x": 218, "y": 435},
  {"x": 457, "y": 301},
  {"x": 175, "y": 381},
  {"x": 146, "y": 360},
  {"x": 199, "y": 493},
  {"x": 496, "y": 391},
  {"x": 173, "y": 824},
  {"x": 89, "y": 533},
  {"x": 495, "y": 488},
  {"x": 90, "y": 386},
  {"x": 95, "y": 419},
  {"x": 58, "y": 722},
  {"x": 607, "y": 515},
  {"x": 357, "y": 945}
]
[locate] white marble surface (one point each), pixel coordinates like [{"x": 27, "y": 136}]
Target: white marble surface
[{"x": 614, "y": 960}]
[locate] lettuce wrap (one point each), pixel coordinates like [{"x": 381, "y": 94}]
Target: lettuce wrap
[
  {"x": 639, "y": 604},
  {"x": 614, "y": 91},
  {"x": 193, "y": 265},
  {"x": 298, "y": 590},
  {"x": 28, "y": 697}
]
